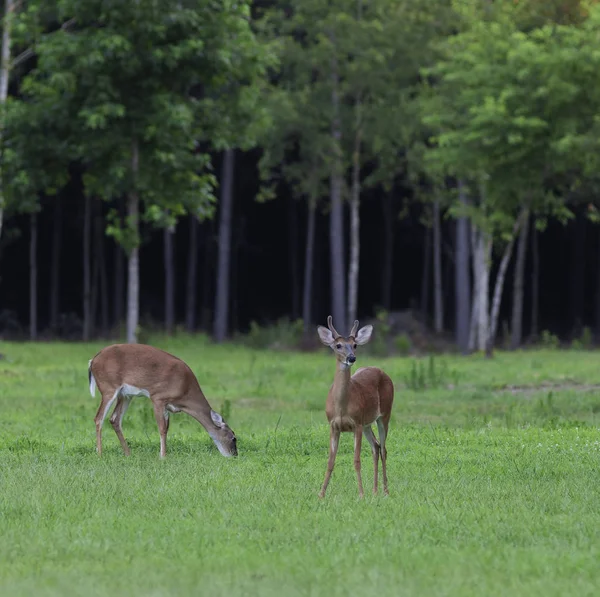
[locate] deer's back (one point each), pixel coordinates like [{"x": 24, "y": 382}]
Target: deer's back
[{"x": 144, "y": 367}]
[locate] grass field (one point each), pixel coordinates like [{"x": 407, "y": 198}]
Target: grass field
[{"x": 493, "y": 468}]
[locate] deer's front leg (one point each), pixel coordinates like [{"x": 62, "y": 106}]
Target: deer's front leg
[
  {"x": 358, "y": 432},
  {"x": 334, "y": 441},
  {"x": 162, "y": 419}
]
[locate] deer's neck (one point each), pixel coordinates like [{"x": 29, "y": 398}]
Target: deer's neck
[{"x": 340, "y": 391}]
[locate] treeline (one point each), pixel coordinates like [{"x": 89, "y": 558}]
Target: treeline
[{"x": 485, "y": 114}]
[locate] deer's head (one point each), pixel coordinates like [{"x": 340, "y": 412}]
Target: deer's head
[{"x": 344, "y": 347}]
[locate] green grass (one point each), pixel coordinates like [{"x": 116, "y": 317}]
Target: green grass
[{"x": 493, "y": 467}]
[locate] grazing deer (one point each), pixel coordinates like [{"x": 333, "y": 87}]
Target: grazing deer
[
  {"x": 123, "y": 371},
  {"x": 355, "y": 402}
]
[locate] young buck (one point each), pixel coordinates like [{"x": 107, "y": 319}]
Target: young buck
[
  {"x": 355, "y": 402},
  {"x": 123, "y": 371}
]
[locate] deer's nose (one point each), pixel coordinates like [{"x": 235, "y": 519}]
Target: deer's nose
[{"x": 351, "y": 359}]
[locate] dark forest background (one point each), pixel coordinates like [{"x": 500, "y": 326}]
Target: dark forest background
[{"x": 356, "y": 109}]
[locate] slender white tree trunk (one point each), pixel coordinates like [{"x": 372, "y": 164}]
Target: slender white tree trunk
[
  {"x": 224, "y": 258},
  {"x": 462, "y": 279},
  {"x": 482, "y": 247},
  {"x": 499, "y": 285},
  {"x": 438, "y": 319},
  {"x": 337, "y": 245},
  {"x": 353, "y": 270},
  {"x": 307, "y": 295},
  {"x": 519, "y": 284},
  {"x": 133, "y": 278},
  {"x": 4, "y": 76}
]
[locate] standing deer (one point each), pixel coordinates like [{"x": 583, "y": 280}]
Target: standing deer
[
  {"x": 123, "y": 371},
  {"x": 355, "y": 402}
]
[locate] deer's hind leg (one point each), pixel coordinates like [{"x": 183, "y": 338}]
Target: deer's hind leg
[
  {"x": 375, "y": 449},
  {"x": 106, "y": 402},
  {"x": 382, "y": 427},
  {"x": 116, "y": 419}
]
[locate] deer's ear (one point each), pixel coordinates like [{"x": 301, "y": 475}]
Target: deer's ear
[
  {"x": 364, "y": 335},
  {"x": 325, "y": 335},
  {"x": 217, "y": 419}
]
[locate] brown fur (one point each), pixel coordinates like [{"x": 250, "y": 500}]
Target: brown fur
[
  {"x": 171, "y": 384},
  {"x": 355, "y": 402}
]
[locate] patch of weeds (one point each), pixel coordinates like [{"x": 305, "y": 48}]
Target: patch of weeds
[
  {"x": 429, "y": 375},
  {"x": 403, "y": 344},
  {"x": 283, "y": 334},
  {"x": 379, "y": 345},
  {"x": 549, "y": 340},
  {"x": 584, "y": 342}
]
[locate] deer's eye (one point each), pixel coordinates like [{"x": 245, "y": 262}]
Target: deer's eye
[{"x": 338, "y": 346}]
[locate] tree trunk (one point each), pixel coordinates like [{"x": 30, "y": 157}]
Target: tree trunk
[
  {"x": 168, "y": 234},
  {"x": 133, "y": 274},
  {"x": 191, "y": 287},
  {"x": 103, "y": 276},
  {"x": 426, "y": 277},
  {"x": 437, "y": 270},
  {"x": 33, "y": 327},
  {"x": 307, "y": 295},
  {"x": 87, "y": 274},
  {"x": 95, "y": 281},
  {"x": 208, "y": 277},
  {"x": 336, "y": 219},
  {"x": 354, "y": 225},
  {"x": 293, "y": 255},
  {"x": 482, "y": 247},
  {"x": 462, "y": 280},
  {"x": 118, "y": 263},
  {"x": 239, "y": 227},
  {"x": 55, "y": 268},
  {"x": 535, "y": 281},
  {"x": 223, "y": 267},
  {"x": 577, "y": 286},
  {"x": 4, "y": 77},
  {"x": 388, "y": 251},
  {"x": 518, "y": 285},
  {"x": 499, "y": 285},
  {"x": 118, "y": 284}
]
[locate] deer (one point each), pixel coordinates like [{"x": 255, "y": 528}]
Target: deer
[
  {"x": 124, "y": 371},
  {"x": 356, "y": 402}
]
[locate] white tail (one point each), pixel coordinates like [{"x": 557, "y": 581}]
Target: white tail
[
  {"x": 355, "y": 403},
  {"x": 91, "y": 379},
  {"x": 123, "y": 371}
]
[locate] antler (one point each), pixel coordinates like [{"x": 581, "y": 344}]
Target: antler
[
  {"x": 331, "y": 328},
  {"x": 354, "y": 329}
]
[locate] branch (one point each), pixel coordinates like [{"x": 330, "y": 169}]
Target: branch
[{"x": 30, "y": 52}]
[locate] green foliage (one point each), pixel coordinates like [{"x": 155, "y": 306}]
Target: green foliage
[
  {"x": 424, "y": 376},
  {"x": 166, "y": 80},
  {"x": 283, "y": 334},
  {"x": 549, "y": 340},
  {"x": 403, "y": 344},
  {"x": 585, "y": 342}
]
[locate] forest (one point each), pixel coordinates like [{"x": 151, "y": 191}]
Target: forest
[{"x": 229, "y": 167}]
